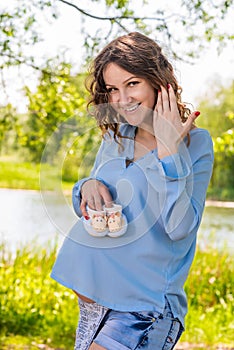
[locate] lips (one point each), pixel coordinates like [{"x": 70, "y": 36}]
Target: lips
[{"x": 132, "y": 108}]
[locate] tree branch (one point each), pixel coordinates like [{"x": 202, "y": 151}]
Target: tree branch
[{"x": 115, "y": 18}]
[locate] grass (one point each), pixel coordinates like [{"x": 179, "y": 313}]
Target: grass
[
  {"x": 36, "y": 312},
  {"x": 30, "y": 176},
  {"x": 33, "y": 306},
  {"x": 211, "y": 300}
]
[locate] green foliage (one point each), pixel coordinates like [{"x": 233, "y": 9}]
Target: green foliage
[
  {"x": 33, "y": 305},
  {"x": 205, "y": 287},
  {"x": 79, "y": 158},
  {"x": 218, "y": 118},
  {"x": 20, "y": 24},
  {"x": 8, "y": 121},
  {"x": 225, "y": 143},
  {"x": 14, "y": 174},
  {"x": 119, "y": 4},
  {"x": 199, "y": 21},
  {"x": 224, "y": 163},
  {"x": 56, "y": 110},
  {"x": 217, "y": 108},
  {"x": 19, "y": 29},
  {"x": 211, "y": 300},
  {"x": 58, "y": 129}
]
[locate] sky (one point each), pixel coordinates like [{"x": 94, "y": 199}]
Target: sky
[{"x": 196, "y": 80}]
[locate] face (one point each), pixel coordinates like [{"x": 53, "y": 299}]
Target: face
[{"x": 131, "y": 96}]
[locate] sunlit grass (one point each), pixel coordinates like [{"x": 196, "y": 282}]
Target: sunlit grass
[
  {"x": 30, "y": 176},
  {"x": 32, "y": 304},
  {"x": 211, "y": 300},
  {"x": 37, "y": 310}
]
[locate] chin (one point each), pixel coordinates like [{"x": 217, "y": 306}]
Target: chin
[
  {"x": 138, "y": 120},
  {"x": 132, "y": 122}
]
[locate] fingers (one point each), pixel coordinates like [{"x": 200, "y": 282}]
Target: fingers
[
  {"x": 97, "y": 200},
  {"x": 106, "y": 197},
  {"x": 166, "y": 101},
  {"x": 172, "y": 99},
  {"x": 169, "y": 129},
  {"x": 190, "y": 120},
  {"x": 94, "y": 195},
  {"x": 83, "y": 209},
  {"x": 159, "y": 105}
]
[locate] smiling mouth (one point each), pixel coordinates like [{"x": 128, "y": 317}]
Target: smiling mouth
[{"x": 132, "y": 108}]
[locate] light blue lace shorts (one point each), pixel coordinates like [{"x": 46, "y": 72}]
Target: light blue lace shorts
[{"x": 115, "y": 330}]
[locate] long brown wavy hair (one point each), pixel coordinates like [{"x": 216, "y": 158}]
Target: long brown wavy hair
[{"x": 139, "y": 55}]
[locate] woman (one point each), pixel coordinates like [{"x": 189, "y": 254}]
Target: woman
[{"x": 157, "y": 164}]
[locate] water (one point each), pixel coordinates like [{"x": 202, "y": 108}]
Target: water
[
  {"x": 30, "y": 215},
  {"x": 217, "y": 228}
]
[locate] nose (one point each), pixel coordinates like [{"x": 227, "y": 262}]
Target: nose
[{"x": 122, "y": 98}]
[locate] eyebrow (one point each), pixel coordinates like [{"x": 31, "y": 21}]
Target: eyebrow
[{"x": 125, "y": 81}]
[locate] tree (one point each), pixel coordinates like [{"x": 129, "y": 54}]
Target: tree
[
  {"x": 56, "y": 110},
  {"x": 185, "y": 30},
  {"x": 217, "y": 107},
  {"x": 8, "y": 118},
  {"x": 195, "y": 22},
  {"x": 19, "y": 32},
  {"x": 222, "y": 178},
  {"x": 20, "y": 29},
  {"x": 218, "y": 118}
]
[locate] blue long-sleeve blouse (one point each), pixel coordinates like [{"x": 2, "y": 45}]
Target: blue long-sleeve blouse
[{"x": 163, "y": 201}]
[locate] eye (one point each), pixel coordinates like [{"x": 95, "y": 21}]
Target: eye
[
  {"x": 133, "y": 83},
  {"x": 111, "y": 90}
]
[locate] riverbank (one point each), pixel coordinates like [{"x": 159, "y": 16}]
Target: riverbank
[
  {"x": 67, "y": 191},
  {"x": 29, "y": 176},
  {"x": 219, "y": 204}
]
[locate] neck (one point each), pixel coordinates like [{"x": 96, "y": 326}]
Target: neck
[
  {"x": 145, "y": 132},
  {"x": 146, "y": 139}
]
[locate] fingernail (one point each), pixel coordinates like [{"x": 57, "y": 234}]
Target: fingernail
[
  {"x": 197, "y": 113},
  {"x": 168, "y": 86},
  {"x": 159, "y": 91},
  {"x": 86, "y": 217}
]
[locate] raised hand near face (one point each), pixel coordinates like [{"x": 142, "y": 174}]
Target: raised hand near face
[{"x": 168, "y": 127}]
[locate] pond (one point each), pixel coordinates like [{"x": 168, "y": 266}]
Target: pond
[{"x": 27, "y": 216}]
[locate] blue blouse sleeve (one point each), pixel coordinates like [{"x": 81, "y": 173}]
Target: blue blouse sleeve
[{"x": 186, "y": 180}]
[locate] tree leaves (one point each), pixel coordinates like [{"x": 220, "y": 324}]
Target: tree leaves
[
  {"x": 218, "y": 118},
  {"x": 197, "y": 21}
]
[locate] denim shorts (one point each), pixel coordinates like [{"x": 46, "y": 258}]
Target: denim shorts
[
  {"x": 139, "y": 330},
  {"x": 117, "y": 330}
]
